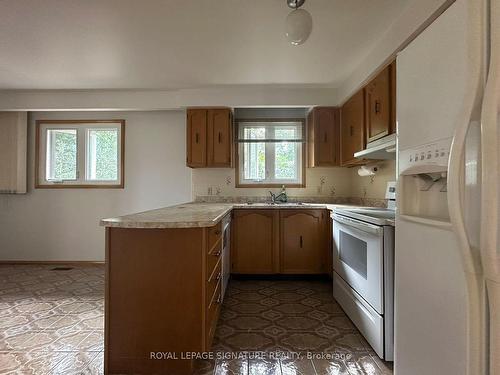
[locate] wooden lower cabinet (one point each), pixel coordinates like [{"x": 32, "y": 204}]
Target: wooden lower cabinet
[
  {"x": 163, "y": 295},
  {"x": 303, "y": 241},
  {"x": 272, "y": 241},
  {"x": 255, "y": 245}
]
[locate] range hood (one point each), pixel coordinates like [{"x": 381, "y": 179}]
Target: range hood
[{"x": 381, "y": 149}]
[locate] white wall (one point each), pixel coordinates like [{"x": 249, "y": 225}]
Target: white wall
[
  {"x": 229, "y": 96},
  {"x": 373, "y": 186},
  {"x": 63, "y": 224},
  {"x": 418, "y": 14}
]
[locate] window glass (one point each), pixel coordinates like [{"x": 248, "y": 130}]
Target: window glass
[
  {"x": 275, "y": 160},
  {"x": 286, "y": 161},
  {"x": 102, "y": 154},
  {"x": 61, "y": 161},
  {"x": 254, "y": 161},
  {"x": 77, "y": 153}
]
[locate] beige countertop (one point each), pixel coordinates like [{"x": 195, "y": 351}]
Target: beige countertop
[{"x": 197, "y": 215}]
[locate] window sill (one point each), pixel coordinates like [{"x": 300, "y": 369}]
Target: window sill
[{"x": 74, "y": 186}]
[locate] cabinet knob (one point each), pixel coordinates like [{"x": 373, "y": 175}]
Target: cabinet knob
[
  {"x": 217, "y": 232},
  {"x": 220, "y": 137},
  {"x": 217, "y": 254},
  {"x": 197, "y": 137}
]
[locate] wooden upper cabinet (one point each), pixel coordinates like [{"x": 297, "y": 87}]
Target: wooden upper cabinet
[
  {"x": 255, "y": 246},
  {"x": 303, "y": 242},
  {"x": 352, "y": 129},
  {"x": 220, "y": 137},
  {"x": 323, "y": 137},
  {"x": 197, "y": 138},
  {"x": 209, "y": 137},
  {"x": 379, "y": 105}
]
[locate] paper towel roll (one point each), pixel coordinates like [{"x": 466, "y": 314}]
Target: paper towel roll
[{"x": 367, "y": 170}]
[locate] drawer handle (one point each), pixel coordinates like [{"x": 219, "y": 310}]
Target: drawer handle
[
  {"x": 377, "y": 106},
  {"x": 220, "y": 137},
  {"x": 301, "y": 242},
  {"x": 218, "y": 253}
]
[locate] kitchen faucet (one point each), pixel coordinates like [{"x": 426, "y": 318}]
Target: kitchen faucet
[{"x": 281, "y": 197}]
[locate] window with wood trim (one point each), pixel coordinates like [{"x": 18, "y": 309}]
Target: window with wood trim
[
  {"x": 270, "y": 153},
  {"x": 79, "y": 153}
]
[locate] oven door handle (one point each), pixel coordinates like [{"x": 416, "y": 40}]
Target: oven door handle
[{"x": 365, "y": 227}]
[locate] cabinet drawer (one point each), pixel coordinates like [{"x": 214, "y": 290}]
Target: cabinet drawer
[
  {"x": 212, "y": 315},
  {"x": 213, "y": 257},
  {"x": 211, "y": 284},
  {"x": 214, "y": 235}
]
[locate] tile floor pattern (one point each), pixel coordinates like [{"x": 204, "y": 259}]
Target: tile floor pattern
[
  {"x": 51, "y": 322},
  {"x": 294, "y": 317}
]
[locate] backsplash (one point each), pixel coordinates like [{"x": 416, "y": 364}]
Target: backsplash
[
  {"x": 323, "y": 185},
  {"x": 368, "y": 202},
  {"x": 373, "y": 186},
  {"x": 320, "y": 182}
]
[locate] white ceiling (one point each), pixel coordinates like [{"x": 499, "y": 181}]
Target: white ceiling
[{"x": 168, "y": 44}]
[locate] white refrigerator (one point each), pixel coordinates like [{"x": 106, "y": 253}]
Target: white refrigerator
[{"x": 447, "y": 257}]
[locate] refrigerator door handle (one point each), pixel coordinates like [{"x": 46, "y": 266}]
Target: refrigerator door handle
[
  {"x": 490, "y": 185},
  {"x": 471, "y": 261},
  {"x": 490, "y": 137}
]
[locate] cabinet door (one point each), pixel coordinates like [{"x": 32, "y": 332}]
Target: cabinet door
[
  {"x": 378, "y": 106},
  {"x": 324, "y": 137},
  {"x": 254, "y": 248},
  {"x": 352, "y": 128},
  {"x": 303, "y": 242},
  {"x": 196, "y": 138},
  {"x": 219, "y": 138}
]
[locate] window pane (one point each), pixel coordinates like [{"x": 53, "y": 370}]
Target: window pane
[
  {"x": 61, "y": 154},
  {"x": 254, "y": 133},
  {"x": 286, "y": 133},
  {"x": 102, "y": 155},
  {"x": 285, "y": 160},
  {"x": 254, "y": 156}
]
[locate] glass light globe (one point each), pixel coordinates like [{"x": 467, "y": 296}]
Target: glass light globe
[{"x": 298, "y": 26}]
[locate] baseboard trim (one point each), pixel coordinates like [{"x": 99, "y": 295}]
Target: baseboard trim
[{"x": 51, "y": 262}]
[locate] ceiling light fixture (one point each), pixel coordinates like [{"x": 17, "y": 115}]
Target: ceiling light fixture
[{"x": 298, "y": 25}]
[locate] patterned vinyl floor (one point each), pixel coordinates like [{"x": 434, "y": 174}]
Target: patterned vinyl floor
[{"x": 51, "y": 322}]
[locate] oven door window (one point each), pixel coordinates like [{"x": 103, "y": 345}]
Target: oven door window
[{"x": 356, "y": 256}]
